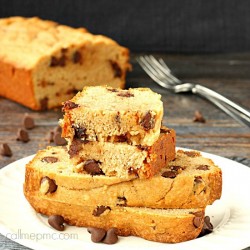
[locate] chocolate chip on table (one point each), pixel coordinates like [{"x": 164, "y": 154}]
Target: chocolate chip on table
[
  {"x": 197, "y": 220},
  {"x": 56, "y": 221},
  {"x": 22, "y": 135},
  {"x": 50, "y": 159},
  {"x": 28, "y": 122},
  {"x": 203, "y": 167},
  {"x": 58, "y": 139},
  {"x": 92, "y": 167},
  {"x": 48, "y": 185},
  {"x": 69, "y": 105},
  {"x": 5, "y": 150},
  {"x": 111, "y": 236},
  {"x": 97, "y": 234},
  {"x": 169, "y": 174},
  {"x": 198, "y": 117},
  {"x": 148, "y": 122}
]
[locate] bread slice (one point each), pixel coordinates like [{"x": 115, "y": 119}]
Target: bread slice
[
  {"x": 190, "y": 181},
  {"x": 161, "y": 225},
  {"x": 107, "y": 114},
  {"x": 121, "y": 159},
  {"x": 43, "y": 63}
]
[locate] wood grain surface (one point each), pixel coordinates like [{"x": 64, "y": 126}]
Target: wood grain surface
[{"x": 221, "y": 135}]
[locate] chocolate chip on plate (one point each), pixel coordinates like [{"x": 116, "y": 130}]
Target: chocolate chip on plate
[
  {"x": 47, "y": 185},
  {"x": 56, "y": 221},
  {"x": 22, "y": 135},
  {"x": 198, "y": 117},
  {"x": 92, "y": 167},
  {"x": 58, "y": 139},
  {"x": 97, "y": 234},
  {"x": 111, "y": 236},
  {"x": 5, "y": 150},
  {"x": 28, "y": 122}
]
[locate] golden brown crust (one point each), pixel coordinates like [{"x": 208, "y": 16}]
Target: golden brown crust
[
  {"x": 177, "y": 226},
  {"x": 29, "y": 45},
  {"x": 16, "y": 84}
]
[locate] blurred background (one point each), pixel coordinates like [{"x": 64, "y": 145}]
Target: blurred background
[{"x": 182, "y": 26}]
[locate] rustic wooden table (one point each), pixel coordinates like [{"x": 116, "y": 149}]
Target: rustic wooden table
[{"x": 221, "y": 135}]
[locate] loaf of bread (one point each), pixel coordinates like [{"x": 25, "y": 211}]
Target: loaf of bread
[
  {"x": 189, "y": 181},
  {"x": 107, "y": 114},
  {"x": 121, "y": 159},
  {"x": 43, "y": 63},
  {"x": 161, "y": 225}
]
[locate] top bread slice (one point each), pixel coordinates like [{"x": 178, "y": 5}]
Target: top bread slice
[
  {"x": 107, "y": 114},
  {"x": 43, "y": 63},
  {"x": 190, "y": 181}
]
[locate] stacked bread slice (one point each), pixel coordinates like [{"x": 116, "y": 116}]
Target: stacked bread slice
[{"x": 120, "y": 169}]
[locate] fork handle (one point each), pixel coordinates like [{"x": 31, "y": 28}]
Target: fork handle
[{"x": 231, "y": 108}]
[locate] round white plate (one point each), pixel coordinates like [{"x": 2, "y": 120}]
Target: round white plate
[{"x": 230, "y": 216}]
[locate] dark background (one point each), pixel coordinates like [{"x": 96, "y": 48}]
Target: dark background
[{"x": 178, "y": 26}]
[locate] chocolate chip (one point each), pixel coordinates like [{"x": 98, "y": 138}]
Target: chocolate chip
[
  {"x": 207, "y": 227},
  {"x": 112, "y": 90},
  {"x": 22, "y": 135},
  {"x": 116, "y": 68},
  {"x": 203, "y": 167},
  {"x": 176, "y": 168},
  {"x": 191, "y": 153},
  {"x": 64, "y": 50},
  {"x": 5, "y": 150},
  {"x": 59, "y": 140},
  {"x": 198, "y": 117},
  {"x": 72, "y": 91},
  {"x": 198, "y": 179},
  {"x": 111, "y": 236},
  {"x": 48, "y": 185},
  {"x": 125, "y": 94},
  {"x": 97, "y": 234},
  {"x": 74, "y": 147},
  {"x": 58, "y": 61},
  {"x": 80, "y": 132},
  {"x": 92, "y": 167},
  {"x": 165, "y": 130},
  {"x": 69, "y": 105},
  {"x": 118, "y": 117},
  {"x": 148, "y": 122},
  {"x": 169, "y": 174},
  {"x": 49, "y": 159},
  {"x": 56, "y": 221},
  {"x": 28, "y": 122},
  {"x": 99, "y": 210},
  {"x": 146, "y": 148},
  {"x": 197, "y": 220},
  {"x": 76, "y": 57},
  {"x": 121, "y": 138},
  {"x": 132, "y": 170},
  {"x": 121, "y": 201},
  {"x": 44, "y": 103}
]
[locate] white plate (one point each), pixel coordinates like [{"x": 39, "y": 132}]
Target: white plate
[{"x": 230, "y": 216}]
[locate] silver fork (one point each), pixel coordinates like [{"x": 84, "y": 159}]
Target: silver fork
[{"x": 161, "y": 74}]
